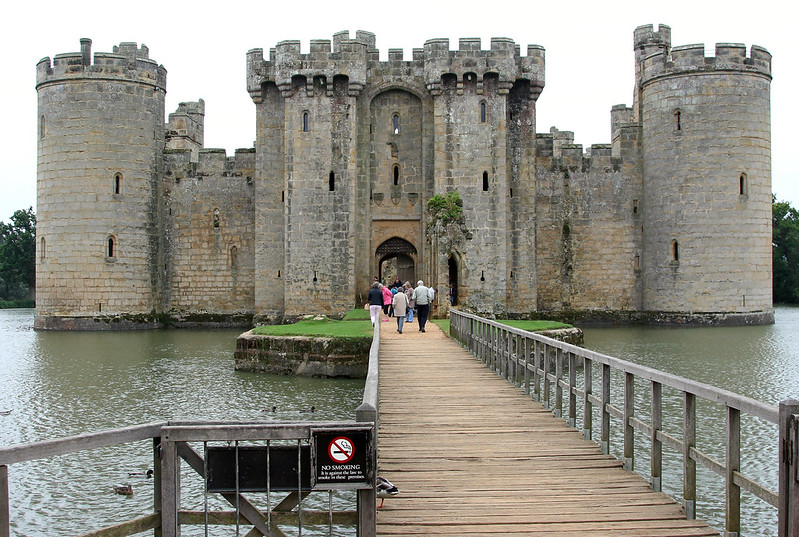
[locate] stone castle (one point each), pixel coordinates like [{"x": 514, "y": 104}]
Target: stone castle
[{"x": 140, "y": 225}]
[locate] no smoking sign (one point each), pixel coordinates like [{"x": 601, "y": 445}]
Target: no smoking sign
[
  {"x": 341, "y": 449},
  {"x": 342, "y": 458}
]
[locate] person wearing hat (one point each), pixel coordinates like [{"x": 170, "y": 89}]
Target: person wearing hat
[{"x": 421, "y": 296}]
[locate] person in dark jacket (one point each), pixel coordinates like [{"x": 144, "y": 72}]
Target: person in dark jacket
[{"x": 375, "y": 302}]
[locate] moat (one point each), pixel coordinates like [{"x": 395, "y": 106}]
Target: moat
[{"x": 64, "y": 383}]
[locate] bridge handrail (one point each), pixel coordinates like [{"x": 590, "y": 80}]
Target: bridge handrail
[{"x": 516, "y": 353}]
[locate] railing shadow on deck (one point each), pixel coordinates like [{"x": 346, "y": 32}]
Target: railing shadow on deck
[
  {"x": 171, "y": 443},
  {"x": 541, "y": 366}
]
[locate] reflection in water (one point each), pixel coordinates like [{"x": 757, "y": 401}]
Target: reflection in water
[
  {"x": 59, "y": 384},
  {"x": 761, "y": 362}
]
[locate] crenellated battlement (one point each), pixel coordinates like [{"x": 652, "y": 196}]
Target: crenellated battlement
[
  {"x": 211, "y": 162},
  {"x": 691, "y": 59},
  {"x": 358, "y": 60},
  {"x": 127, "y": 62}
]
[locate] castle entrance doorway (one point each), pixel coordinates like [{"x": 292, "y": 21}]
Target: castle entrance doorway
[{"x": 396, "y": 257}]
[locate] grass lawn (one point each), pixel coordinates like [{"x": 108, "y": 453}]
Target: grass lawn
[
  {"x": 530, "y": 326},
  {"x": 361, "y": 327}
]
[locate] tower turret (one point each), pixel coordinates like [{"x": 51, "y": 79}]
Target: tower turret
[
  {"x": 100, "y": 149},
  {"x": 707, "y": 179}
]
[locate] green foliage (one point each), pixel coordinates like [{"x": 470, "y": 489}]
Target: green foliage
[
  {"x": 785, "y": 252},
  {"x": 318, "y": 328},
  {"x": 445, "y": 208},
  {"x": 446, "y": 221},
  {"x": 18, "y": 255}
]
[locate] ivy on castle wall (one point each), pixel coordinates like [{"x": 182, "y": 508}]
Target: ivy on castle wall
[{"x": 446, "y": 222}]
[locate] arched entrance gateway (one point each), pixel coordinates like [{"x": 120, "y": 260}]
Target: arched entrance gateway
[{"x": 396, "y": 257}]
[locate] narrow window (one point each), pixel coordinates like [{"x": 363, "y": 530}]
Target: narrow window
[
  {"x": 637, "y": 262},
  {"x": 118, "y": 183},
  {"x": 305, "y": 122},
  {"x": 111, "y": 250},
  {"x": 675, "y": 251},
  {"x": 234, "y": 257},
  {"x": 42, "y": 249},
  {"x": 485, "y": 181},
  {"x": 216, "y": 218},
  {"x": 677, "y": 120},
  {"x": 635, "y": 206},
  {"x": 511, "y": 192},
  {"x": 482, "y": 111},
  {"x": 41, "y": 128},
  {"x": 396, "y": 123},
  {"x": 742, "y": 185},
  {"x": 396, "y": 174},
  {"x": 331, "y": 182}
]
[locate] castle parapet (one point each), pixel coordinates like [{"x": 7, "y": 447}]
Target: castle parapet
[
  {"x": 504, "y": 59},
  {"x": 127, "y": 62},
  {"x": 691, "y": 59},
  {"x": 357, "y": 58}
]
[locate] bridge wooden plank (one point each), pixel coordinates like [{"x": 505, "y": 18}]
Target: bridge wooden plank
[{"x": 473, "y": 456}]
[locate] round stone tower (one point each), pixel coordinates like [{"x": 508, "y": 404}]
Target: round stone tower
[
  {"x": 707, "y": 178},
  {"x": 100, "y": 151}
]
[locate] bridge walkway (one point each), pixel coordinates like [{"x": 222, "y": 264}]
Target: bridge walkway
[{"x": 473, "y": 456}]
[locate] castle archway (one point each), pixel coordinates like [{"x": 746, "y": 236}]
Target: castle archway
[{"x": 396, "y": 257}]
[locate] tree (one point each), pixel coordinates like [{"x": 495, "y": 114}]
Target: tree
[
  {"x": 18, "y": 254},
  {"x": 785, "y": 252}
]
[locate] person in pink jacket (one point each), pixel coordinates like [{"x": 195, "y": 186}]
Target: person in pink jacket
[{"x": 387, "y": 298}]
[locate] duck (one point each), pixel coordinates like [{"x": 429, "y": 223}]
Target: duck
[
  {"x": 5, "y": 412},
  {"x": 272, "y": 409},
  {"x": 385, "y": 488},
  {"x": 148, "y": 474},
  {"x": 124, "y": 489},
  {"x": 307, "y": 410}
]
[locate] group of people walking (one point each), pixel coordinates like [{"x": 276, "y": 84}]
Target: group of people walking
[{"x": 401, "y": 301}]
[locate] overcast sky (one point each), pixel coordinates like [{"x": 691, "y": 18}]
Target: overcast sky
[{"x": 589, "y": 57}]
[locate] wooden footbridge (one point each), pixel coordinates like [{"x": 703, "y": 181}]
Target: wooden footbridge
[{"x": 472, "y": 455}]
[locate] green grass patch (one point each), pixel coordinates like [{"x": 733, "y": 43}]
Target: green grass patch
[
  {"x": 535, "y": 326},
  {"x": 319, "y": 328},
  {"x": 358, "y": 314}
]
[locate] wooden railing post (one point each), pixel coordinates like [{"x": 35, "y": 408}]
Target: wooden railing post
[
  {"x": 558, "y": 388},
  {"x": 604, "y": 442},
  {"x": 656, "y": 466},
  {"x": 629, "y": 430},
  {"x": 572, "y": 388},
  {"x": 170, "y": 488},
  {"x": 537, "y": 367},
  {"x": 5, "y": 511},
  {"x": 689, "y": 464},
  {"x": 789, "y": 468},
  {"x": 588, "y": 406},
  {"x": 157, "y": 506},
  {"x": 732, "y": 527},
  {"x": 526, "y": 352},
  {"x": 545, "y": 376}
]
